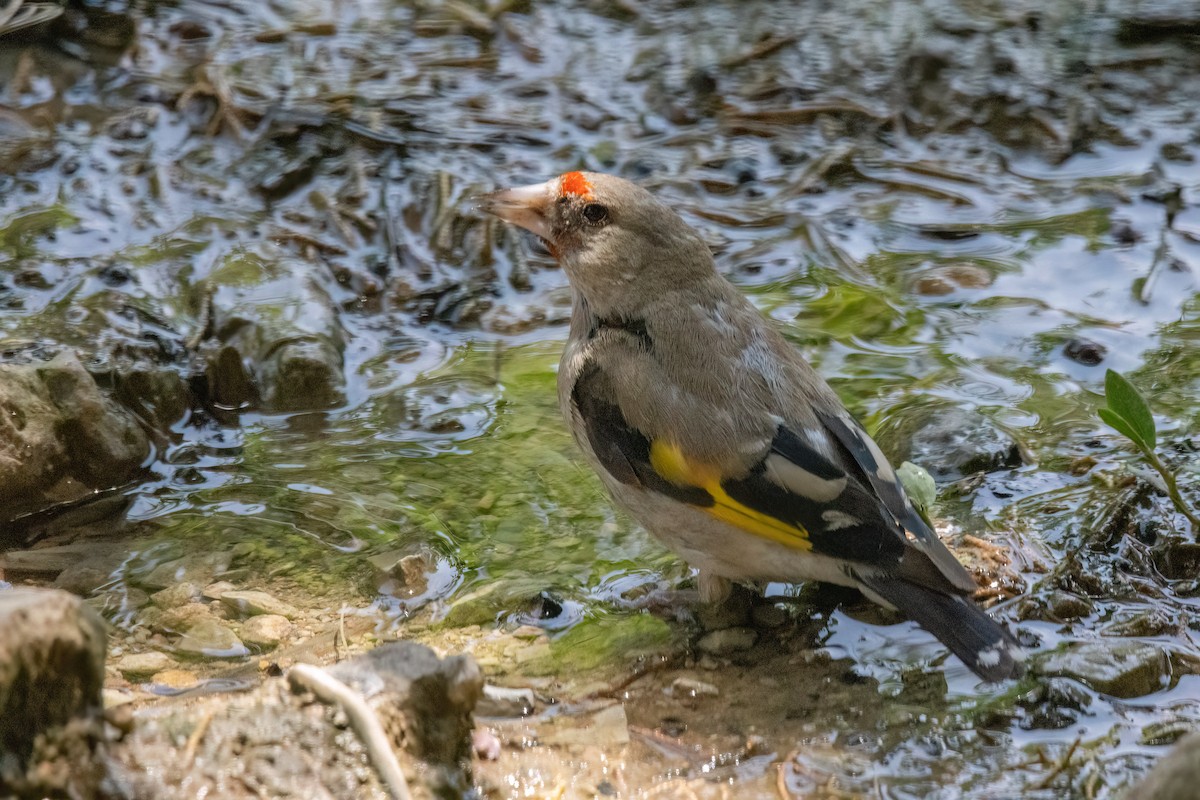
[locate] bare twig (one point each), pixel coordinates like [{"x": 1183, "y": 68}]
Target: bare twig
[
  {"x": 1060, "y": 765},
  {"x": 193, "y": 741},
  {"x": 333, "y": 692}
]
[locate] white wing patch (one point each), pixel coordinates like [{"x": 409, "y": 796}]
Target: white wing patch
[
  {"x": 819, "y": 439},
  {"x": 883, "y": 468},
  {"x": 989, "y": 656},
  {"x": 836, "y": 520},
  {"x": 802, "y": 482}
]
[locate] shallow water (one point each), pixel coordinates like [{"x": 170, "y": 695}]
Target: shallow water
[{"x": 931, "y": 199}]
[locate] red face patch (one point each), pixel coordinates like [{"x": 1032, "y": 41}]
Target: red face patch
[{"x": 576, "y": 183}]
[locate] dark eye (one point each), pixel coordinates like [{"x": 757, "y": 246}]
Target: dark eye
[{"x": 595, "y": 213}]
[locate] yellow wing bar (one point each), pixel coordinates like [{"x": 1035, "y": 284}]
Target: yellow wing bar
[{"x": 671, "y": 464}]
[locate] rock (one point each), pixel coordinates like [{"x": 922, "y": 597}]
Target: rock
[
  {"x": 1149, "y": 20},
  {"x": 301, "y": 743},
  {"x": 1066, "y": 606},
  {"x": 266, "y": 630},
  {"x": 113, "y": 698},
  {"x": 402, "y": 573},
  {"x": 1168, "y": 731},
  {"x": 429, "y": 699},
  {"x": 533, "y": 653},
  {"x": 951, "y": 442},
  {"x": 949, "y": 278},
  {"x": 198, "y": 568},
  {"x": 1175, "y": 777},
  {"x": 178, "y": 619},
  {"x": 175, "y": 678},
  {"x": 60, "y": 435},
  {"x": 253, "y": 603},
  {"x": 485, "y": 744},
  {"x": 768, "y": 615},
  {"x": 84, "y": 578},
  {"x": 1085, "y": 351},
  {"x": 117, "y": 600},
  {"x": 691, "y": 687},
  {"x": 158, "y": 394},
  {"x": 1118, "y": 668},
  {"x": 43, "y": 561},
  {"x": 174, "y": 596},
  {"x": 214, "y": 590},
  {"x": 728, "y": 641},
  {"x": 51, "y": 676},
  {"x": 211, "y": 639},
  {"x": 302, "y": 375},
  {"x": 528, "y": 632},
  {"x": 607, "y": 727},
  {"x": 501, "y": 701},
  {"x": 1055, "y": 606},
  {"x": 137, "y": 666},
  {"x": 1178, "y": 560},
  {"x": 279, "y": 338},
  {"x": 1144, "y": 624}
]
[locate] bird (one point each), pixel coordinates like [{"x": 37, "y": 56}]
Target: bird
[{"x": 713, "y": 431}]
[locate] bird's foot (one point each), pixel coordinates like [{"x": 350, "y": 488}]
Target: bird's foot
[{"x": 663, "y": 601}]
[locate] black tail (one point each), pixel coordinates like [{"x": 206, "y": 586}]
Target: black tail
[{"x": 958, "y": 623}]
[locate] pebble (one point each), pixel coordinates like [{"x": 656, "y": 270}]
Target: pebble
[
  {"x": 691, "y": 687},
  {"x": 950, "y": 278},
  {"x": 728, "y": 641},
  {"x": 528, "y": 632},
  {"x": 266, "y": 630},
  {"x": 607, "y": 727},
  {"x": 252, "y": 603},
  {"x": 175, "y": 678},
  {"x": 111, "y": 698},
  {"x": 1065, "y": 606},
  {"x": 135, "y": 666},
  {"x": 214, "y": 590},
  {"x": 1085, "y": 351},
  {"x": 174, "y": 596},
  {"x": 538, "y": 651},
  {"x": 502, "y": 701},
  {"x": 485, "y": 744}
]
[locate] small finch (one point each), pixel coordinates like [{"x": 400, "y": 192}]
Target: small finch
[{"x": 716, "y": 434}]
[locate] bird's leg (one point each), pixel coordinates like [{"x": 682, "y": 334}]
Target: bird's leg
[
  {"x": 715, "y": 603},
  {"x": 714, "y": 590}
]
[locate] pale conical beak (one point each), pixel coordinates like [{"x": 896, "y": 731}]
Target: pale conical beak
[{"x": 527, "y": 206}]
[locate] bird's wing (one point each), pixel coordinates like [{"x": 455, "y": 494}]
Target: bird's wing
[
  {"x": 862, "y": 455},
  {"x": 847, "y": 505}
]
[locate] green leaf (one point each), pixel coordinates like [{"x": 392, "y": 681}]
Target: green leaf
[
  {"x": 918, "y": 484},
  {"x": 1121, "y": 424},
  {"x": 1126, "y": 402}
]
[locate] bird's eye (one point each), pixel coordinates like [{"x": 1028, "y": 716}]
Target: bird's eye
[{"x": 595, "y": 213}]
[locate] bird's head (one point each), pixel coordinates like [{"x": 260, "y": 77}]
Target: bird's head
[{"x": 618, "y": 244}]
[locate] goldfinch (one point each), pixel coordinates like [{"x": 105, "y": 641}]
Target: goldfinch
[{"x": 713, "y": 431}]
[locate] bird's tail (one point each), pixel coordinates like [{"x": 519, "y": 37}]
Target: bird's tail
[{"x": 989, "y": 650}]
